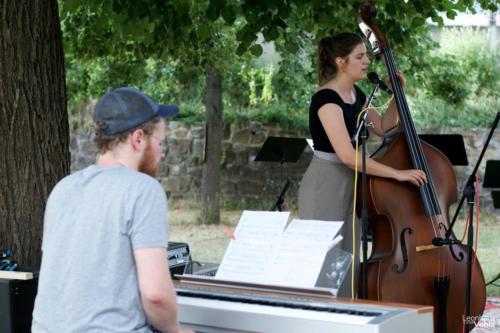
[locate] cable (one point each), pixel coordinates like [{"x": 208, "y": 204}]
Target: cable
[
  {"x": 354, "y": 208},
  {"x": 477, "y": 225},
  {"x": 362, "y": 112},
  {"x": 474, "y": 259},
  {"x": 466, "y": 225},
  {"x": 385, "y": 105}
]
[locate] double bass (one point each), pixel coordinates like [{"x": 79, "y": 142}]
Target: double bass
[{"x": 404, "y": 266}]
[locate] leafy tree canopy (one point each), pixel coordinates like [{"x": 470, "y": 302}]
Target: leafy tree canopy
[
  {"x": 201, "y": 31},
  {"x": 116, "y": 39}
]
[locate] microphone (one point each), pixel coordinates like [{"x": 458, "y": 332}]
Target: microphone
[
  {"x": 438, "y": 241},
  {"x": 373, "y": 77}
]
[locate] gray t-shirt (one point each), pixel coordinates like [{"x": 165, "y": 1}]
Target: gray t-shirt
[{"x": 93, "y": 220}]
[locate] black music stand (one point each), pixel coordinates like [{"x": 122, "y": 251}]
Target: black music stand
[
  {"x": 451, "y": 145},
  {"x": 492, "y": 174},
  {"x": 495, "y": 195},
  {"x": 492, "y": 180},
  {"x": 282, "y": 150}
]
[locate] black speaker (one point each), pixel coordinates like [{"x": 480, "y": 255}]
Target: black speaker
[
  {"x": 17, "y": 299},
  {"x": 178, "y": 257}
]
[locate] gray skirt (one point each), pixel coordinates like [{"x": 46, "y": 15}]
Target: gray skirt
[{"x": 326, "y": 193}]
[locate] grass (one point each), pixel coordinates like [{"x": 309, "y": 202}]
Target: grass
[
  {"x": 206, "y": 242},
  {"x": 488, "y": 246},
  {"x": 209, "y": 242}
]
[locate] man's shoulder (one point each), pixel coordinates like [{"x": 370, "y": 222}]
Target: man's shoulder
[
  {"x": 126, "y": 174},
  {"x": 136, "y": 176},
  {"x": 135, "y": 179},
  {"x": 106, "y": 176}
]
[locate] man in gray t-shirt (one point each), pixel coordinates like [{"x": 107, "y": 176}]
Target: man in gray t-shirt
[{"x": 104, "y": 264}]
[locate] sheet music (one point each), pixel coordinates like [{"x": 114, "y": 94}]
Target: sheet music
[
  {"x": 263, "y": 252},
  {"x": 300, "y": 251},
  {"x": 247, "y": 256}
]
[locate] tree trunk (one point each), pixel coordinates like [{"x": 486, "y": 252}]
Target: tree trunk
[
  {"x": 210, "y": 180},
  {"x": 33, "y": 122}
]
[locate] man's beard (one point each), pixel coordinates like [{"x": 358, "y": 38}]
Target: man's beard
[{"x": 146, "y": 164}]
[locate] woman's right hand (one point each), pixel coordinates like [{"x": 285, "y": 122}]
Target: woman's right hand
[{"x": 414, "y": 176}]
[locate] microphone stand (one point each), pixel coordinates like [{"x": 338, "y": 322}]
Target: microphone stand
[
  {"x": 469, "y": 193},
  {"x": 280, "y": 199},
  {"x": 362, "y": 133}
]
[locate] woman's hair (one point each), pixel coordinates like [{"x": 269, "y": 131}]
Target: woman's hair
[
  {"x": 106, "y": 143},
  {"x": 329, "y": 48}
]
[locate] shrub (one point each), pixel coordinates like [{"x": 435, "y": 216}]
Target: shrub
[{"x": 446, "y": 79}]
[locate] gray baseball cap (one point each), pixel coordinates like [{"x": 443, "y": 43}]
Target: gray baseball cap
[{"x": 124, "y": 108}]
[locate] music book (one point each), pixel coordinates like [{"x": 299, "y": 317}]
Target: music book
[{"x": 265, "y": 250}]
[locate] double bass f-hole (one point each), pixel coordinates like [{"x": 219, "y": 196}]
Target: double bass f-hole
[{"x": 404, "y": 251}]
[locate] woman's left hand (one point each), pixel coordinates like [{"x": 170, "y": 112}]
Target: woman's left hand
[{"x": 401, "y": 80}]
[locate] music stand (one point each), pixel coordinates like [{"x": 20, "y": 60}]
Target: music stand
[
  {"x": 492, "y": 174},
  {"x": 492, "y": 180},
  {"x": 495, "y": 195},
  {"x": 282, "y": 150},
  {"x": 451, "y": 145}
]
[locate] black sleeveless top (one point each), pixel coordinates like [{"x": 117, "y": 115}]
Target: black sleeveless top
[{"x": 350, "y": 111}]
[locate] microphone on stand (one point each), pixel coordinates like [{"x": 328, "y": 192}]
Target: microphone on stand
[
  {"x": 438, "y": 241},
  {"x": 368, "y": 104},
  {"x": 362, "y": 132},
  {"x": 373, "y": 77}
]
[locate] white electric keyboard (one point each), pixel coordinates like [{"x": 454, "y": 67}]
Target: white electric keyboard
[{"x": 208, "y": 305}]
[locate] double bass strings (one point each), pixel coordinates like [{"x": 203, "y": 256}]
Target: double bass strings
[{"x": 429, "y": 196}]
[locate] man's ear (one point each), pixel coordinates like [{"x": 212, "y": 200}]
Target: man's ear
[{"x": 138, "y": 139}]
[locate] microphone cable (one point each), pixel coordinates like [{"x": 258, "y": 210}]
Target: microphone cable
[{"x": 355, "y": 195}]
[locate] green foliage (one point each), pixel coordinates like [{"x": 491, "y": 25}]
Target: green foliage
[
  {"x": 446, "y": 79},
  {"x": 475, "y": 54},
  {"x": 295, "y": 80},
  {"x": 195, "y": 30},
  {"x": 166, "y": 82},
  {"x": 461, "y": 83},
  {"x": 276, "y": 112},
  {"x": 146, "y": 29},
  {"x": 90, "y": 79},
  {"x": 280, "y": 93},
  {"x": 464, "y": 67},
  {"x": 435, "y": 112},
  {"x": 259, "y": 80},
  {"x": 162, "y": 48},
  {"x": 192, "y": 111}
]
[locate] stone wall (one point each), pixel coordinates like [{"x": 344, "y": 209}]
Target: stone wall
[{"x": 255, "y": 185}]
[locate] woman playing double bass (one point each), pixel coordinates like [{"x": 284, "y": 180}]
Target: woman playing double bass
[{"x": 326, "y": 190}]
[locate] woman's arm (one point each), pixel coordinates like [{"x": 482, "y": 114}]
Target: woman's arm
[
  {"x": 382, "y": 124},
  {"x": 332, "y": 119}
]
